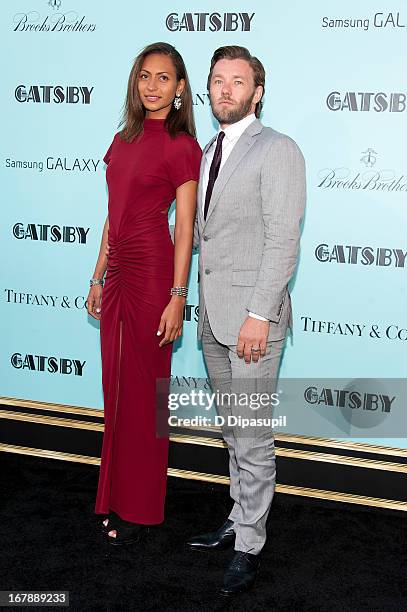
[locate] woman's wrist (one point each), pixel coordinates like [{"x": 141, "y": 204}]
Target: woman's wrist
[
  {"x": 181, "y": 290},
  {"x": 98, "y": 273},
  {"x": 96, "y": 282},
  {"x": 178, "y": 299}
]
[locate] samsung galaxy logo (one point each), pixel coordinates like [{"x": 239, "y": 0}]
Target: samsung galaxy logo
[
  {"x": 379, "y": 20},
  {"x": 55, "y": 163}
]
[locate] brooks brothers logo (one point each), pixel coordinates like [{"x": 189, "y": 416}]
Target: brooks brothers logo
[
  {"x": 47, "y": 301},
  {"x": 55, "y": 21},
  {"x": 361, "y": 255},
  {"x": 379, "y": 20},
  {"x": 212, "y": 22},
  {"x": 358, "y": 330},
  {"x": 364, "y": 178},
  {"x": 348, "y": 398},
  {"x": 369, "y": 158},
  {"x": 366, "y": 101},
  {"x": 57, "y": 94},
  {"x": 42, "y": 363},
  {"x": 59, "y": 164},
  {"x": 50, "y": 233}
]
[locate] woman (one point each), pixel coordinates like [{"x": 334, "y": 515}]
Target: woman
[{"x": 153, "y": 160}]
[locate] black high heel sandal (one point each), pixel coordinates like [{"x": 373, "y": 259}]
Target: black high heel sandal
[
  {"x": 106, "y": 528},
  {"x": 126, "y": 533}
]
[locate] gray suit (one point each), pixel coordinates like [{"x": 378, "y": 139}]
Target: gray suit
[{"x": 248, "y": 248}]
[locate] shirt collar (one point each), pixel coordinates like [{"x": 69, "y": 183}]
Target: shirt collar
[{"x": 235, "y": 130}]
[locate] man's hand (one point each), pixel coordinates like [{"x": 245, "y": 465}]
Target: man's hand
[{"x": 253, "y": 334}]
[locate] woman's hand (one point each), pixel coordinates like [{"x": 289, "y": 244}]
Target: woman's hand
[
  {"x": 171, "y": 320},
  {"x": 95, "y": 301}
]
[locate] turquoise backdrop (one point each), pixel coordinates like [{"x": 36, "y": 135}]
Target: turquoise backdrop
[{"x": 335, "y": 83}]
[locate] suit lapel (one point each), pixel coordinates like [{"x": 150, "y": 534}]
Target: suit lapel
[{"x": 243, "y": 145}]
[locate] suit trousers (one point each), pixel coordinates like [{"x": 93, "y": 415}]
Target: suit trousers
[{"x": 252, "y": 461}]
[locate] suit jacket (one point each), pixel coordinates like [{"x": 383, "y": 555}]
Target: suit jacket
[{"x": 248, "y": 245}]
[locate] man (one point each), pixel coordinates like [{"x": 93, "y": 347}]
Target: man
[{"x": 250, "y": 205}]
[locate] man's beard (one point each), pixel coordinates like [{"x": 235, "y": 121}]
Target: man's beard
[{"x": 234, "y": 113}]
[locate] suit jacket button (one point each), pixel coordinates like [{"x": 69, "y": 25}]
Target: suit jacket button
[
  {"x": 206, "y": 237},
  {"x": 207, "y": 271}
]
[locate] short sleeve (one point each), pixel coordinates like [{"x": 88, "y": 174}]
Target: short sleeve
[
  {"x": 107, "y": 156},
  {"x": 184, "y": 161}
]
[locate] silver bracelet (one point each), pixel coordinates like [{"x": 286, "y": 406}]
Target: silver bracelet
[
  {"x": 96, "y": 281},
  {"x": 183, "y": 291}
]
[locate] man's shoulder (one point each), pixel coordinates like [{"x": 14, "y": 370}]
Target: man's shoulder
[
  {"x": 275, "y": 141},
  {"x": 270, "y": 134}
]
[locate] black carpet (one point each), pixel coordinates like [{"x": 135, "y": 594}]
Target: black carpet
[{"x": 319, "y": 555}]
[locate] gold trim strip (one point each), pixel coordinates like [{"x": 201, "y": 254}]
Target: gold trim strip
[
  {"x": 294, "y": 453},
  {"x": 390, "y": 466},
  {"x": 348, "y": 498},
  {"x": 48, "y": 454},
  {"x": 21, "y": 403},
  {"x": 44, "y": 419},
  {"x": 189, "y": 474},
  {"x": 363, "y": 447},
  {"x": 302, "y": 491},
  {"x": 199, "y": 440}
]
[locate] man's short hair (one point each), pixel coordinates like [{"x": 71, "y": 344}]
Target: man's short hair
[{"x": 233, "y": 52}]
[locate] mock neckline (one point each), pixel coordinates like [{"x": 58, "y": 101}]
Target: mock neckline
[{"x": 154, "y": 124}]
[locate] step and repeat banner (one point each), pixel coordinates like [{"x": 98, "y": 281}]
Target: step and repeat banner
[{"x": 335, "y": 83}]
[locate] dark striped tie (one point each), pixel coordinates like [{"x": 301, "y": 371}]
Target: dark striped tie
[{"x": 214, "y": 171}]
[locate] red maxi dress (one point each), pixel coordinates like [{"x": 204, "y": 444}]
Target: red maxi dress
[{"x": 142, "y": 177}]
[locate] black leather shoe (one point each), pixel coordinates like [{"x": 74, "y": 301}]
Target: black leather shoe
[
  {"x": 216, "y": 540},
  {"x": 241, "y": 574}
]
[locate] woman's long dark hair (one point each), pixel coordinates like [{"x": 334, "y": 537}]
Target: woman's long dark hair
[{"x": 177, "y": 121}]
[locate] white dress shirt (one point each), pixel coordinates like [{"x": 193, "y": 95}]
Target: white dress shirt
[{"x": 232, "y": 135}]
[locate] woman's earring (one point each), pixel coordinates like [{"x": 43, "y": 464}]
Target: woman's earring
[{"x": 177, "y": 102}]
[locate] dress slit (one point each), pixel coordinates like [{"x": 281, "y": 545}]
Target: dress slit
[{"x": 116, "y": 403}]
